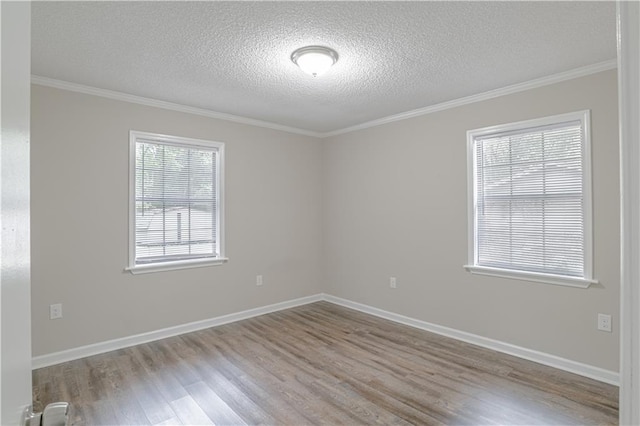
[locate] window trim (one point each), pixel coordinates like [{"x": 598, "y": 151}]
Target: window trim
[
  {"x": 134, "y": 137},
  {"x": 587, "y": 279}
]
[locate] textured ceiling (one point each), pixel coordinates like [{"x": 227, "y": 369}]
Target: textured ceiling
[{"x": 233, "y": 57}]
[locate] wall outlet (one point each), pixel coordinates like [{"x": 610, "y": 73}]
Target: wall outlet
[
  {"x": 392, "y": 282},
  {"x": 258, "y": 279},
  {"x": 55, "y": 311},
  {"x": 604, "y": 322}
]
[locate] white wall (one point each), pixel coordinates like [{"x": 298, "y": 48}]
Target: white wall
[
  {"x": 395, "y": 204},
  {"x": 80, "y": 169},
  {"x": 15, "y": 377}
]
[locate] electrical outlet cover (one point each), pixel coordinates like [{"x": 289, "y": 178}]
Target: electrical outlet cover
[
  {"x": 55, "y": 311},
  {"x": 604, "y": 322}
]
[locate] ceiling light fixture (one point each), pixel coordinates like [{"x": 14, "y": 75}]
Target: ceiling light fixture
[{"x": 314, "y": 60}]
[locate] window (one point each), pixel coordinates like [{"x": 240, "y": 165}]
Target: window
[
  {"x": 175, "y": 206},
  {"x": 530, "y": 200}
]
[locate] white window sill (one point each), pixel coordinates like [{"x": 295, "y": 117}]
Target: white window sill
[
  {"x": 531, "y": 276},
  {"x": 172, "y": 266}
]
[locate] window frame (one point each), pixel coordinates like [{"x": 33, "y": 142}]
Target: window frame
[
  {"x": 136, "y": 136},
  {"x": 522, "y": 126}
]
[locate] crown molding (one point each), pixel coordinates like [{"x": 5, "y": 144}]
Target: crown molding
[
  {"x": 120, "y": 96},
  {"x": 515, "y": 88}
]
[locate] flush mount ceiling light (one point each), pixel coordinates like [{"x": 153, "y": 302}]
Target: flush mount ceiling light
[{"x": 314, "y": 60}]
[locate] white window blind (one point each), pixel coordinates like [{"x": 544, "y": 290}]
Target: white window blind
[
  {"x": 530, "y": 195},
  {"x": 176, "y": 200}
]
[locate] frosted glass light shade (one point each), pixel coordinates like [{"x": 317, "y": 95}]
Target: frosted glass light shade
[{"x": 314, "y": 60}]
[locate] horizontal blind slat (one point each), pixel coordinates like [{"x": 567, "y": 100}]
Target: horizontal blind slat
[
  {"x": 529, "y": 200},
  {"x": 175, "y": 202}
]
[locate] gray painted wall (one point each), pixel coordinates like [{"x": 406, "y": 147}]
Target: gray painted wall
[
  {"x": 395, "y": 204},
  {"x": 80, "y": 163},
  {"x": 339, "y": 215}
]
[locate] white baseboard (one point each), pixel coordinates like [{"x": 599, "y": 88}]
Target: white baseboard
[
  {"x": 596, "y": 373},
  {"x": 600, "y": 374},
  {"x": 112, "y": 345}
]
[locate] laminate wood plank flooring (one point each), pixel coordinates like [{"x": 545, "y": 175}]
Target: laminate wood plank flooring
[{"x": 319, "y": 364}]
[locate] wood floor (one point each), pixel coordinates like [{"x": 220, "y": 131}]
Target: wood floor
[{"x": 319, "y": 364}]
